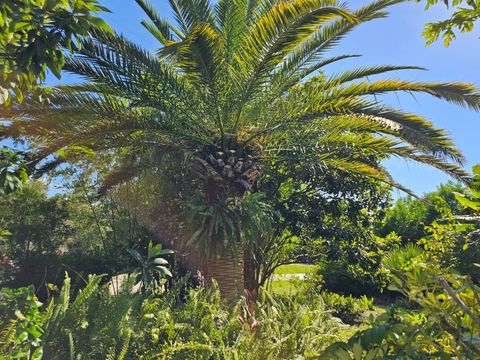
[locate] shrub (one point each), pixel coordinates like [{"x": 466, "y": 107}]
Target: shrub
[
  {"x": 203, "y": 327},
  {"x": 20, "y": 324},
  {"x": 349, "y": 309},
  {"x": 353, "y": 279},
  {"x": 356, "y": 268},
  {"x": 453, "y": 246},
  {"x": 443, "y": 324},
  {"x": 43, "y": 269}
]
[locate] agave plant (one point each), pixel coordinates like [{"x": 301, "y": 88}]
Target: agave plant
[{"x": 233, "y": 88}]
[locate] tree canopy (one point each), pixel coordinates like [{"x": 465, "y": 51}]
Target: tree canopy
[
  {"x": 237, "y": 77},
  {"x": 34, "y": 35}
]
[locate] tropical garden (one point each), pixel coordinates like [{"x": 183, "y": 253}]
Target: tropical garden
[{"x": 224, "y": 195}]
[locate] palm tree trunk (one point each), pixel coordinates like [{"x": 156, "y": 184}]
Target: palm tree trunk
[{"x": 227, "y": 272}]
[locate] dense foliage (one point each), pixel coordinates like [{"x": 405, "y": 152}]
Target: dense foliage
[
  {"x": 409, "y": 216},
  {"x": 21, "y": 324},
  {"x": 438, "y": 317},
  {"x": 234, "y": 91},
  {"x": 454, "y": 241},
  {"x": 319, "y": 217},
  {"x": 233, "y": 146},
  {"x": 443, "y": 324},
  {"x": 179, "y": 324},
  {"x": 75, "y": 232},
  {"x": 34, "y": 35}
]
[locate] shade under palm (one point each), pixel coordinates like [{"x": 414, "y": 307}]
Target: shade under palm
[{"x": 232, "y": 88}]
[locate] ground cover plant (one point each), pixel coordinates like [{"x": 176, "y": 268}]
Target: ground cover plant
[{"x": 180, "y": 324}]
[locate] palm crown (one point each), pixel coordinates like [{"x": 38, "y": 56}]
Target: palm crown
[{"x": 236, "y": 86}]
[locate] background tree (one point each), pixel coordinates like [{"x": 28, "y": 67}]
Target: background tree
[
  {"x": 453, "y": 241},
  {"x": 34, "y": 34},
  {"x": 76, "y": 231},
  {"x": 321, "y": 218},
  {"x": 409, "y": 216},
  {"x": 37, "y": 223},
  {"x": 463, "y": 19},
  {"x": 13, "y": 174}
]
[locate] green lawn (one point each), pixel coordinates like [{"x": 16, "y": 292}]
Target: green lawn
[
  {"x": 290, "y": 286},
  {"x": 286, "y": 287},
  {"x": 295, "y": 269}
]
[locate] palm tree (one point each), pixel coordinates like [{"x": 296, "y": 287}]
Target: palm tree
[{"x": 233, "y": 88}]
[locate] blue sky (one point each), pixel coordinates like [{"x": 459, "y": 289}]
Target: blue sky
[{"x": 395, "y": 40}]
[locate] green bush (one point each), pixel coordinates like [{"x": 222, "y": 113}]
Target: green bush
[
  {"x": 349, "y": 309},
  {"x": 20, "y": 324},
  {"x": 443, "y": 322},
  {"x": 42, "y": 269},
  {"x": 353, "y": 279},
  {"x": 355, "y": 268},
  {"x": 203, "y": 327},
  {"x": 453, "y": 246}
]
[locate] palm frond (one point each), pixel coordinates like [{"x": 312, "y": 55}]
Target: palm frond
[
  {"x": 113, "y": 61},
  {"x": 365, "y": 72},
  {"x": 461, "y": 94},
  {"x": 453, "y": 170},
  {"x": 325, "y": 38},
  {"x": 234, "y": 18},
  {"x": 278, "y": 32},
  {"x": 161, "y": 29},
  {"x": 189, "y": 13},
  {"x": 235, "y": 86},
  {"x": 282, "y": 81}
]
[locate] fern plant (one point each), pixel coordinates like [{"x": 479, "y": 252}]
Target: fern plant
[
  {"x": 179, "y": 324},
  {"x": 93, "y": 325},
  {"x": 203, "y": 326}
]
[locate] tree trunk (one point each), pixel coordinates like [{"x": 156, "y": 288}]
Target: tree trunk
[
  {"x": 251, "y": 273},
  {"x": 227, "y": 272}
]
